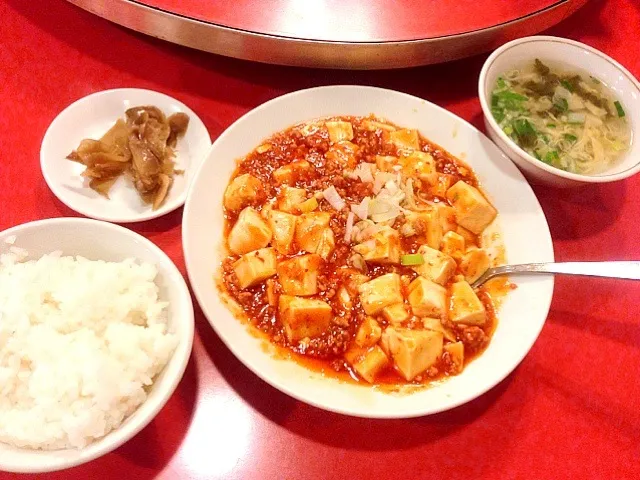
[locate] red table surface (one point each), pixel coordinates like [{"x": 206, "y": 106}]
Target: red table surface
[
  {"x": 569, "y": 410},
  {"x": 355, "y": 20}
]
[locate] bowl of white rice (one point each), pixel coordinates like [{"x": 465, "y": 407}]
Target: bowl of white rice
[{"x": 96, "y": 329}]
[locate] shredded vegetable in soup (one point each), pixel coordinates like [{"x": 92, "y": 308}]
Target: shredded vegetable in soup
[
  {"x": 569, "y": 120},
  {"x": 352, "y": 245}
]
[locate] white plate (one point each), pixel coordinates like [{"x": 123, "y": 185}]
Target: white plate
[
  {"x": 91, "y": 117},
  {"x": 98, "y": 240},
  {"x": 524, "y": 227}
]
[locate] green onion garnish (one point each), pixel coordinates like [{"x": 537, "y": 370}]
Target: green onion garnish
[
  {"x": 566, "y": 85},
  {"x": 551, "y": 125},
  {"x": 562, "y": 105},
  {"x": 570, "y": 138},
  {"x": 501, "y": 83},
  {"x": 523, "y": 127},
  {"x": 412, "y": 259},
  {"x": 551, "y": 156},
  {"x": 498, "y": 114},
  {"x": 619, "y": 109}
]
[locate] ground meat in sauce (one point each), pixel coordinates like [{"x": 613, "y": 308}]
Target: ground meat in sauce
[{"x": 313, "y": 145}]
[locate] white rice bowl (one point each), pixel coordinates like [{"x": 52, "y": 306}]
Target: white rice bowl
[
  {"x": 76, "y": 334},
  {"x": 80, "y": 340}
]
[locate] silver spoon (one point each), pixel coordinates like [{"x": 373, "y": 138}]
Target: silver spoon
[{"x": 627, "y": 270}]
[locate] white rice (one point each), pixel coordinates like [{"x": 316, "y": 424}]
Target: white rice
[{"x": 80, "y": 343}]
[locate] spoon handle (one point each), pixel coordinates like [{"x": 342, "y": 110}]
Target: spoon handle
[{"x": 628, "y": 270}]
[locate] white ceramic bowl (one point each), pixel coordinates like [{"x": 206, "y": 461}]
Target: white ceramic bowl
[
  {"x": 524, "y": 228},
  {"x": 574, "y": 55},
  {"x": 98, "y": 240},
  {"x": 91, "y": 117}
]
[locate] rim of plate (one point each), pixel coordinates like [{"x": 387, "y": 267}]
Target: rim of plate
[
  {"x": 285, "y": 388},
  {"x": 54, "y": 460},
  {"x": 149, "y": 214},
  {"x": 482, "y": 83}
]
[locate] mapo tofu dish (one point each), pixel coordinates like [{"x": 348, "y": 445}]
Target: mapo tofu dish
[{"x": 352, "y": 243}]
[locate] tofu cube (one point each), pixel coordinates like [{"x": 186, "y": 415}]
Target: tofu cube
[
  {"x": 453, "y": 244},
  {"x": 473, "y": 211},
  {"x": 310, "y": 230},
  {"x": 367, "y": 363},
  {"x": 353, "y": 281},
  {"x": 427, "y": 226},
  {"x": 344, "y": 297},
  {"x": 427, "y": 298},
  {"x": 446, "y": 216},
  {"x": 249, "y": 233},
  {"x": 412, "y": 351},
  {"x": 437, "y": 266},
  {"x": 405, "y": 139},
  {"x": 473, "y": 264},
  {"x": 255, "y": 267},
  {"x": 339, "y": 131},
  {"x": 436, "y": 325},
  {"x": 303, "y": 317},
  {"x": 469, "y": 238},
  {"x": 417, "y": 163},
  {"x": 244, "y": 190},
  {"x": 396, "y": 313},
  {"x": 343, "y": 154},
  {"x": 272, "y": 295},
  {"x": 456, "y": 356},
  {"x": 465, "y": 307},
  {"x": 373, "y": 125},
  {"x": 442, "y": 182},
  {"x": 385, "y": 163},
  {"x": 299, "y": 275},
  {"x": 290, "y": 197},
  {"x": 283, "y": 226},
  {"x": 327, "y": 244},
  {"x": 384, "y": 247},
  {"x": 368, "y": 333},
  {"x": 309, "y": 205},
  {"x": 380, "y": 292},
  {"x": 291, "y": 173}
]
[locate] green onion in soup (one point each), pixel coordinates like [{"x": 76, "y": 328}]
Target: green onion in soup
[{"x": 566, "y": 119}]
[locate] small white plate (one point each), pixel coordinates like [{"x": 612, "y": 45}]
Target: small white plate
[
  {"x": 524, "y": 229},
  {"x": 91, "y": 117}
]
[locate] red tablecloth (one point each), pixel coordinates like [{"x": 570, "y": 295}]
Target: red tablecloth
[{"x": 570, "y": 410}]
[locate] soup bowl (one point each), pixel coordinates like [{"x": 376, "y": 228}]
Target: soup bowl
[{"x": 574, "y": 56}]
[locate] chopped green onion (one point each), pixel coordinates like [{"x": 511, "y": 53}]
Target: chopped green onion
[
  {"x": 551, "y": 125},
  {"x": 508, "y": 100},
  {"x": 508, "y": 130},
  {"x": 523, "y": 127},
  {"x": 498, "y": 114},
  {"x": 566, "y": 85},
  {"x": 412, "y": 259},
  {"x": 562, "y": 104},
  {"x": 619, "y": 109},
  {"x": 501, "y": 83},
  {"x": 570, "y": 138},
  {"x": 551, "y": 156},
  {"x": 537, "y": 155}
]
